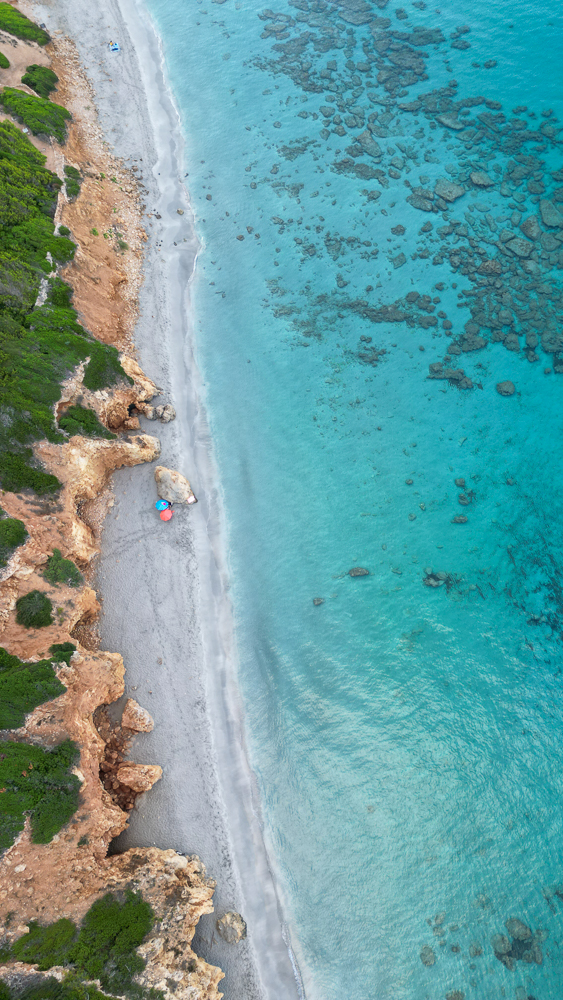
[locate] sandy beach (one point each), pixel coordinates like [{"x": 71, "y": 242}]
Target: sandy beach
[{"x": 164, "y": 587}]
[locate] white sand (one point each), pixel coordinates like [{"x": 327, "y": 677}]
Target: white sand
[{"x": 164, "y": 586}]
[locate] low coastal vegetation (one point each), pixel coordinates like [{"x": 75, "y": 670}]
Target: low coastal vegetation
[
  {"x": 73, "y": 180},
  {"x": 103, "y": 948},
  {"x": 38, "y": 115},
  {"x": 23, "y": 686},
  {"x": 33, "y": 610},
  {"x": 79, "y": 420},
  {"x": 15, "y": 23},
  {"x": 39, "y": 345},
  {"x": 41, "y": 79},
  {"x": 59, "y": 570},
  {"x": 4, "y": 61},
  {"x": 12, "y": 534},
  {"x": 51, "y": 989},
  {"x": 37, "y": 783}
]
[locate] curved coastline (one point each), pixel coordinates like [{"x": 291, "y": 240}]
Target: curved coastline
[{"x": 207, "y": 802}]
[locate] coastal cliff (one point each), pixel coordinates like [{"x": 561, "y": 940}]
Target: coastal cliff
[{"x": 56, "y": 485}]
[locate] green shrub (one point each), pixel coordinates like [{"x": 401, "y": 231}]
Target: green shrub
[
  {"x": 12, "y": 534},
  {"x": 40, "y": 116},
  {"x": 23, "y": 686},
  {"x": 15, "y": 23},
  {"x": 103, "y": 948},
  {"x": 41, "y": 79},
  {"x": 79, "y": 420},
  {"x": 4, "y": 62},
  {"x": 59, "y": 570},
  {"x": 45, "y": 946},
  {"x": 61, "y": 652},
  {"x": 73, "y": 180},
  {"x": 64, "y": 231},
  {"x": 16, "y": 474},
  {"x": 39, "y": 347},
  {"x": 39, "y": 783},
  {"x": 33, "y": 610},
  {"x": 51, "y": 989}
]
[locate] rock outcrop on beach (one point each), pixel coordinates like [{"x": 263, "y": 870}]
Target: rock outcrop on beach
[
  {"x": 173, "y": 486},
  {"x": 65, "y": 874}
]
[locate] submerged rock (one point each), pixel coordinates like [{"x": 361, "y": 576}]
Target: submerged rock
[
  {"x": 517, "y": 929},
  {"x": 506, "y": 388},
  {"x": 231, "y": 927},
  {"x": 317, "y": 601},
  {"x": 427, "y": 956},
  {"x": 172, "y": 486},
  {"x": 448, "y": 190},
  {"x": 358, "y": 571}
]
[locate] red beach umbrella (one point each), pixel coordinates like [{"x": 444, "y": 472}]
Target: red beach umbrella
[{"x": 165, "y": 515}]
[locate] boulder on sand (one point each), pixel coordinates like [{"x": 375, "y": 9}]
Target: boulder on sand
[
  {"x": 231, "y": 927},
  {"x": 172, "y": 486}
]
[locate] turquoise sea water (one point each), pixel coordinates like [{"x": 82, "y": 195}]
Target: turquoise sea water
[{"x": 406, "y": 736}]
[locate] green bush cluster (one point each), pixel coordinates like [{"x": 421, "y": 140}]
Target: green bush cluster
[
  {"x": 39, "y": 347},
  {"x": 4, "y": 62},
  {"x": 70, "y": 988},
  {"x": 59, "y": 570},
  {"x": 73, "y": 180},
  {"x": 15, "y": 23},
  {"x": 79, "y": 420},
  {"x": 12, "y": 534},
  {"x": 16, "y": 474},
  {"x": 103, "y": 948},
  {"x": 61, "y": 652},
  {"x": 41, "y": 79},
  {"x": 37, "y": 783},
  {"x": 33, "y": 610},
  {"x": 23, "y": 686},
  {"x": 38, "y": 115}
]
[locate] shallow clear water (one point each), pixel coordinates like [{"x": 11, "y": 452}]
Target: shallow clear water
[{"x": 406, "y": 737}]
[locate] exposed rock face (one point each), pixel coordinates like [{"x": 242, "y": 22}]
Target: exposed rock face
[
  {"x": 172, "y": 486},
  {"x": 506, "y": 388},
  {"x": 136, "y": 718},
  {"x": 231, "y": 927},
  {"x": 139, "y": 777}
]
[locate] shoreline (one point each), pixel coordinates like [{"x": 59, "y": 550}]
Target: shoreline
[{"x": 222, "y": 823}]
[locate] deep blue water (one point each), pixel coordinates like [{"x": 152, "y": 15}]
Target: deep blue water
[{"x": 407, "y": 738}]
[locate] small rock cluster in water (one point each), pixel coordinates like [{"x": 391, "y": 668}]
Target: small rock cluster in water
[{"x": 520, "y": 944}]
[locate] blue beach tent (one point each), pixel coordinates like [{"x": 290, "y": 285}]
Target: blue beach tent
[
  {"x": 114, "y": 46},
  {"x": 162, "y": 504}
]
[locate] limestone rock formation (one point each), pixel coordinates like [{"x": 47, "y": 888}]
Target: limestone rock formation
[
  {"x": 172, "y": 486},
  {"x": 231, "y": 927},
  {"x": 136, "y": 718},
  {"x": 139, "y": 777}
]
